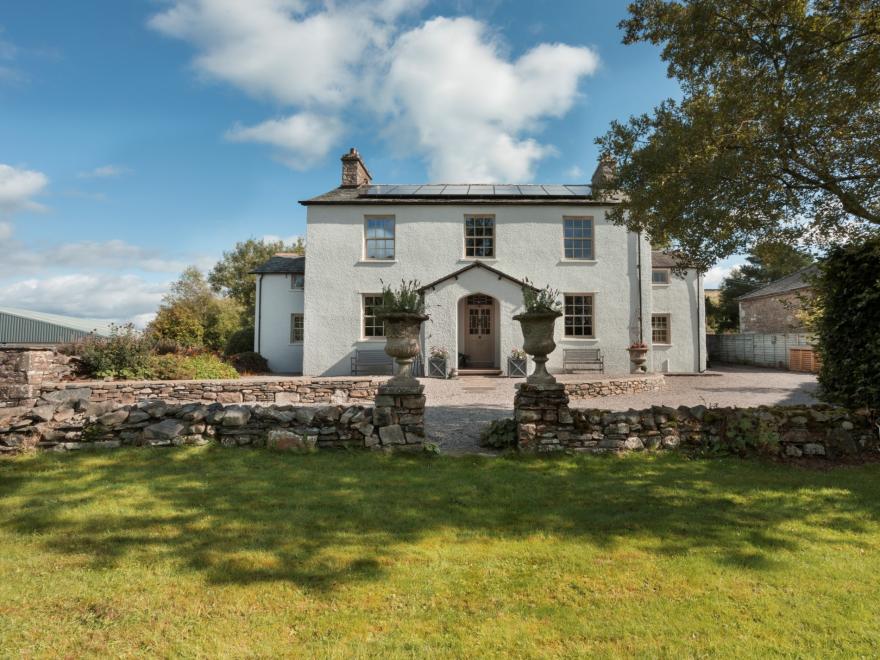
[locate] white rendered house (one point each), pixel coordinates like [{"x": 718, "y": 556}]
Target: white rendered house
[{"x": 471, "y": 246}]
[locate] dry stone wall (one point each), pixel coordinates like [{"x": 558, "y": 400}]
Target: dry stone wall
[
  {"x": 68, "y": 419},
  {"x": 614, "y": 387},
  {"x": 23, "y": 371},
  {"x": 545, "y": 423}
]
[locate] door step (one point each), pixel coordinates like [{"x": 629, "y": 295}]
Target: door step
[{"x": 479, "y": 372}]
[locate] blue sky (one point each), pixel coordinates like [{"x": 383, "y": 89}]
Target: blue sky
[{"x": 139, "y": 137}]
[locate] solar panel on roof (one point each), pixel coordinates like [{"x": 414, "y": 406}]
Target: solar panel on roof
[
  {"x": 405, "y": 190},
  {"x": 433, "y": 189},
  {"x": 455, "y": 190},
  {"x": 507, "y": 190},
  {"x": 481, "y": 190},
  {"x": 532, "y": 190},
  {"x": 557, "y": 191},
  {"x": 579, "y": 190}
]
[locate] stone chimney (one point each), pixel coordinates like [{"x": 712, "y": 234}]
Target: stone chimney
[
  {"x": 604, "y": 174},
  {"x": 354, "y": 172}
]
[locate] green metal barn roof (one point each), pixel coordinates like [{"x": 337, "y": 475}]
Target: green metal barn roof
[{"x": 23, "y": 326}]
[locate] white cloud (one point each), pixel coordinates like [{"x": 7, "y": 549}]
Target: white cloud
[
  {"x": 302, "y": 138},
  {"x": 18, "y": 187},
  {"x": 576, "y": 172},
  {"x": 287, "y": 240},
  {"x": 5, "y": 231},
  {"x": 444, "y": 90},
  {"x": 118, "y": 297},
  {"x": 104, "y": 172},
  {"x": 718, "y": 273}
]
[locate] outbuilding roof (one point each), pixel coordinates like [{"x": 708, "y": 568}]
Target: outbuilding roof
[
  {"x": 25, "y": 326},
  {"x": 281, "y": 263},
  {"x": 787, "y": 284}
]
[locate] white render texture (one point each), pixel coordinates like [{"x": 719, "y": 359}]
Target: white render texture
[
  {"x": 430, "y": 245},
  {"x": 684, "y": 300},
  {"x": 272, "y": 328}
]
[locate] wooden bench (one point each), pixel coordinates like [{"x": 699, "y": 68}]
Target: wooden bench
[
  {"x": 371, "y": 363},
  {"x": 585, "y": 359}
]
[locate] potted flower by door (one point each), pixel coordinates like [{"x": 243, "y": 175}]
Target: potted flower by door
[
  {"x": 516, "y": 363},
  {"x": 638, "y": 355},
  {"x": 403, "y": 312},
  {"x": 437, "y": 362},
  {"x": 537, "y": 322}
]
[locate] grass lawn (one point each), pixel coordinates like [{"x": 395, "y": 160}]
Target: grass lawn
[{"x": 207, "y": 552}]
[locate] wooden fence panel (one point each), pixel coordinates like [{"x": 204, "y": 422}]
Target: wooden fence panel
[{"x": 756, "y": 349}]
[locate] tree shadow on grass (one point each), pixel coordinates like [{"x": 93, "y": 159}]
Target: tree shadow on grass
[{"x": 322, "y": 521}]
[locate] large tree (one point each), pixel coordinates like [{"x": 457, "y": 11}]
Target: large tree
[
  {"x": 231, "y": 275},
  {"x": 776, "y": 134}
]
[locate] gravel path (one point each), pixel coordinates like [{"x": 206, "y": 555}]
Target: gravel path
[{"x": 457, "y": 410}]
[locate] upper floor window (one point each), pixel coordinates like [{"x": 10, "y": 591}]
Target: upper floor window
[
  {"x": 297, "y": 281},
  {"x": 661, "y": 332},
  {"x": 373, "y": 327},
  {"x": 379, "y": 238},
  {"x": 660, "y": 276},
  {"x": 579, "y": 315},
  {"x": 578, "y": 238},
  {"x": 296, "y": 328},
  {"x": 479, "y": 236}
]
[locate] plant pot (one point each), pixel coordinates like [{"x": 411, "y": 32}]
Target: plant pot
[
  {"x": 437, "y": 367},
  {"x": 638, "y": 356},
  {"x": 517, "y": 367},
  {"x": 402, "y": 331},
  {"x": 537, "y": 329}
]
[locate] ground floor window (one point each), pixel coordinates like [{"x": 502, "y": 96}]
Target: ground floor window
[
  {"x": 660, "y": 329},
  {"x": 373, "y": 327},
  {"x": 296, "y": 328},
  {"x": 579, "y": 315}
]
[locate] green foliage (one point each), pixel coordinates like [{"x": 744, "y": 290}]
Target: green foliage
[
  {"x": 848, "y": 325},
  {"x": 540, "y": 300},
  {"x": 776, "y": 133},
  {"x": 249, "y": 362},
  {"x": 499, "y": 434},
  {"x": 190, "y": 367},
  {"x": 222, "y": 319},
  {"x": 124, "y": 354},
  {"x": 178, "y": 325},
  {"x": 240, "y": 341},
  {"x": 405, "y": 298},
  {"x": 232, "y": 276}
]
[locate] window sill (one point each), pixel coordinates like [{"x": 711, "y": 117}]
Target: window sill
[
  {"x": 372, "y": 340},
  {"x": 376, "y": 262},
  {"x": 580, "y": 338},
  {"x": 468, "y": 260},
  {"x": 295, "y": 343},
  {"x": 664, "y": 284},
  {"x": 564, "y": 262},
  {"x": 661, "y": 345}
]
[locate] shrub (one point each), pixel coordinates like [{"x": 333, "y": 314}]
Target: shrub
[
  {"x": 240, "y": 341},
  {"x": 540, "y": 300},
  {"x": 500, "y": 434},
  {"x": 180, "y": 324},
  {"x": 249, "y": 363},
  {"x": 222, "y": 319},
  {"x": 405, "y": 298},
  {"x": 190, "y": 367},
  {"x": 124, "y": 354},
  {"x": 847, "y": 327}
]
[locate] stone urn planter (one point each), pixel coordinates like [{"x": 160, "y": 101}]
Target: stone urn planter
[
  {"x": 402, "y": 343},
  {"x": 638, "y": 355},
  {"x": 537, "y": 329}
]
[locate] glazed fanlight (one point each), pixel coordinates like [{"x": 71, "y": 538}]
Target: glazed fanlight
[
  {"x": 537, "y": 328},
  {"x": 402, "y": 331}
]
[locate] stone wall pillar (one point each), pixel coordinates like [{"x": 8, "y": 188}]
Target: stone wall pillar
[
  {"x": 399, "y": 414},
  {"x": 23, "y": 371},
  {"x": 543, "y": 419}
]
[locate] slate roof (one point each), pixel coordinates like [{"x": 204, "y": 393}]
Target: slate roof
[
  {"x": 792, "y": 282},
  {"x": 282, "y": 263},
  {"x": 662, "y": 259},
  {"x": 527, "y": 194}
]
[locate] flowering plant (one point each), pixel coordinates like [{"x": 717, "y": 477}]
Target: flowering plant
[
  {"x": 638, "y": 345},
  {"x": 439, "y": 352},
  {"x": 517, "y": 353}
]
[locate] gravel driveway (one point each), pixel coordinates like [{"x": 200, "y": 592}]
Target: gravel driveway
[{"x": 457, "y": 410}]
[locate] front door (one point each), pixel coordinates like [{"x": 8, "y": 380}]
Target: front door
[{"x": 479, "y": 341}]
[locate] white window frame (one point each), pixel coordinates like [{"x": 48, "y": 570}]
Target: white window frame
[
  {"x": 487, "y": 216},
  {"x": 565, "y": 315},
  {"x": 293, "y": 285},
  {"x": 666, "y": 271},
  {"x": 367, "y": 239},
  {"x": 293, "y": 328},
  {"x": 592, "y": 238},
  {"x": 364, "y": 316},
  {"x": 668, "y": 318}
]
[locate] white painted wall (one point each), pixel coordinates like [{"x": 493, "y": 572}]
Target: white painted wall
[
  {"x": 681, "y": 299},
  {"x": 272, "y": 329},
  {"x": 430, "y": 245}
]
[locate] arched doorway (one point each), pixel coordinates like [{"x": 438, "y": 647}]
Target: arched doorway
[{"x": 478, "y": 332}]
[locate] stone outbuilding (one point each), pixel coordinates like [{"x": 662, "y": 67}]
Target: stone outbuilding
[{"x": 775, "y": 307}]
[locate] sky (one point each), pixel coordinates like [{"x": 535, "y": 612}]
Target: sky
[{"x": 141, "y": 136}]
